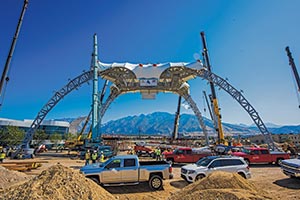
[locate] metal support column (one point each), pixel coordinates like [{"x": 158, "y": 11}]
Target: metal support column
[{"x": 95, "y": 90}]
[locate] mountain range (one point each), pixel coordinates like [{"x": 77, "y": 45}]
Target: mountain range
[{"x": 162, "y": 123}]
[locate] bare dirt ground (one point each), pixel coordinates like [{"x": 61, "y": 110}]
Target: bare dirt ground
[{"x": 266, "y": 177}]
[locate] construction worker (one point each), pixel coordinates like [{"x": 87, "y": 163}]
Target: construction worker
[
  {"x": 2, "y": 156},
  {"x": 87, "y": 157},
  {"x": 158, "y": 154},
  {"x": 101, "y": 157},
  {"x": 94, "y": 156}
]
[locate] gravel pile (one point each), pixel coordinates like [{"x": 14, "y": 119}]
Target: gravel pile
[
  {"x": 221, "y": 186},
  {"x": 60, "y": 183},
  {"x": 9, "y": 177}
]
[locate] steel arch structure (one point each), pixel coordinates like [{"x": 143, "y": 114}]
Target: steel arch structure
[
  {"x": 115, "y": 92},
  {"x": 126, "y": 82}
]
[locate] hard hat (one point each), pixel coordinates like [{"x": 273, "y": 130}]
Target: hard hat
[{"x": 101, "y": 151}]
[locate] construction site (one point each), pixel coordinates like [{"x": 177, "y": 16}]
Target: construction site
[{"x": 91, "y": 164}]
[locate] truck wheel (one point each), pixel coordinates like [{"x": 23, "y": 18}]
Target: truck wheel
[
  {"x": 279, "y": 160},
  {"x": 171, "y": 161},
  {"x": 155, "y": 182},
  {"x": 96, "y": 180},
  {"x": 199, "y": 176}
]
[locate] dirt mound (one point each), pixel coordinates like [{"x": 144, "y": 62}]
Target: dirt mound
[
  {"x": 60, "y": 183},
  {"x": 9, "y": 177},
  {"x": 221, "y": 186}
]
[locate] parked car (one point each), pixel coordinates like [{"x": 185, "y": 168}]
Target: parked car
[
  {"x": 144, "y": 150},
  {"x": 262, "y": 155},
  {"x": 291, "y": 167},
  {"x": 209, "y": 164},
  {"x": 185, "y": 155},
  {"x": 128, "y": 170}
]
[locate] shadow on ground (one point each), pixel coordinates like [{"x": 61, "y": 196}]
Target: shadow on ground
[
  {"x": 179, "y": 184},
  {"x": 142, "y": 187},
  {"x": 290, "y": 183}
]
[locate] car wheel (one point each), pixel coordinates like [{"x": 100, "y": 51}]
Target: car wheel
[
  {"x": 242, "y": 175},
  {"x": 199, "y": 176},
  {"x": 155, "y": 182}
]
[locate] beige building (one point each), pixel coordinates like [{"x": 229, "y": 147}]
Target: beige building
[{"x": 279, "y": 138}]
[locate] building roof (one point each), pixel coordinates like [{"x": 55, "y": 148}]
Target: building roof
[{"x": 27, "y": 123}]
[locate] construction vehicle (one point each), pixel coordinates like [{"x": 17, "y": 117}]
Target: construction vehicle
[
  {"x": 78, "y": 142},
  {"x": 214, "y": 101},
  {"x": 295, "y": 72},
  {"x": 5, "y": 77}
]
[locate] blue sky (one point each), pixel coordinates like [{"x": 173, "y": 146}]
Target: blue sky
[{"x": 246, "y": 41}]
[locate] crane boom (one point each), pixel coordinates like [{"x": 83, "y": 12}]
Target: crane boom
[
  {"x": 176, "y": 122},
  {"x": 216, "y": 109},
  {"x": 4, "y": 76},
  {"x": 84, "y": 126},
  {"x": 292, "y": 64}
]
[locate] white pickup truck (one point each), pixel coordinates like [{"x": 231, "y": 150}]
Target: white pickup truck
[
  {"x": 291, "y": 167},
  {"x": 128, "y": 170}
]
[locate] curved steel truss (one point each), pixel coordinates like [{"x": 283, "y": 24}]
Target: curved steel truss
[
  {"x": 172, "y": 80},
  {"x": 73, "y": 84},
  {"x": 222, "y": 83}
]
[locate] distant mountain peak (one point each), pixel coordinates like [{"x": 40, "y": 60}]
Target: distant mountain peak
[{"x": 162, "y": 123}]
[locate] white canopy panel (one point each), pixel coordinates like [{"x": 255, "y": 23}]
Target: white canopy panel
[{"x": 150, "y": 70}]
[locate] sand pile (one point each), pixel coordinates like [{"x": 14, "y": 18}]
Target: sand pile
[
  {"x": 60, "y": 183},
  {"x": 221, "y": 186},
  {"x": 9, "y": 177}
]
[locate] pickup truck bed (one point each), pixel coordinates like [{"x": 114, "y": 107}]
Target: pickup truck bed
[{"x": 143, "y": 163}]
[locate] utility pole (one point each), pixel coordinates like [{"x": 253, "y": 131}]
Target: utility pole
[
  {"x": 216, "y": 109},
  {"x": 4, "y": 76}
]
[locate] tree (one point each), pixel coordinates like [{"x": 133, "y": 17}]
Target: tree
[
  {"x": 39, "y": 137},
  {"x": 11, "y": 135},
  {"x": 70, "y": 136},
  {"x": 55, "y": 138}
]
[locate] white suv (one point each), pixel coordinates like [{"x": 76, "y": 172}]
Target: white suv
[{"x": 209, "y": 164}]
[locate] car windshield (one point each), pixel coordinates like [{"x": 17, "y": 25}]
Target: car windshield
[{"x": 204, "y": 161}]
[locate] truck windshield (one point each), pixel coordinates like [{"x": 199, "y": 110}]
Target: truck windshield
[{"x": 204, "y": 161}]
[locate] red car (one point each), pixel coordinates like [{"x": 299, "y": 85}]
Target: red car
[
  {"x": 261, "y": 155},
  {"x": 184, "y": 155}
]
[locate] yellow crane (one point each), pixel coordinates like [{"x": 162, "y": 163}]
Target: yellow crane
[
  {"x": 215, "y": 106},
  {"x": 78, "y": 142}
]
